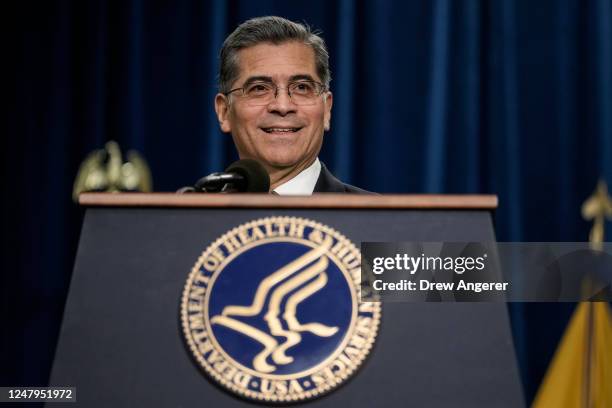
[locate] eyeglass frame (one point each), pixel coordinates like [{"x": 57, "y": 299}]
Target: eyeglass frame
[{"x": 277, "y": 88}]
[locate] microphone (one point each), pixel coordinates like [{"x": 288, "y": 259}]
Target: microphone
[{"x": 242, "y": 176}]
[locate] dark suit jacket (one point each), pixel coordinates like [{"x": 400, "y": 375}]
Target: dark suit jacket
[{"x": 327, "y": 183}]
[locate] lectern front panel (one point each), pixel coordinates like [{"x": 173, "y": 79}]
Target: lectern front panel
[{"x": 121, "y": 342}]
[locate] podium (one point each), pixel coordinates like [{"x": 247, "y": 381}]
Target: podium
[{"x": 121, "y": 341}]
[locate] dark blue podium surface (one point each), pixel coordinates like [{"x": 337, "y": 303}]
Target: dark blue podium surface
[{"x": 121, "y": 342}]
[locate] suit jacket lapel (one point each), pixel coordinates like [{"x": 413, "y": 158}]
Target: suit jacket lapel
[{"x": 327, "y": 183}]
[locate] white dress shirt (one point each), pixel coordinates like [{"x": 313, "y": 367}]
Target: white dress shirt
[{"x": 303, "y": 183}]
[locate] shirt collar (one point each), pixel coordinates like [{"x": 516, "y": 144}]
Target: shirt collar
[{"x": 302, "y": 184}]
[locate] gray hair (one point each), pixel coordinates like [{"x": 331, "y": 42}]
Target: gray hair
[{"x": 269, "y": 29}]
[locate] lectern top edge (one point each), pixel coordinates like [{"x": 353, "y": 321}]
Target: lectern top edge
[{"x": 323, "y": 200}]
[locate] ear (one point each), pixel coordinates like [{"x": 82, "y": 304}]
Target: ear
[
  {"x": 327, "y": 102},
  {"x": 222, "y": 107}
]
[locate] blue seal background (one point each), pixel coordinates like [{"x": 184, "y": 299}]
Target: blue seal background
[{"x": 237, "y": 284}]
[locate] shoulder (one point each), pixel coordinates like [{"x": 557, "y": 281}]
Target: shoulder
[
  {"x": 328, "y": 183},
  {"x": 356, "y": 190}
]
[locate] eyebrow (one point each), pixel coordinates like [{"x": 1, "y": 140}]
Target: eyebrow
[
  {"x": 263, "y": 78},
  {"x": 260, "y": 78},
  {"x": 301, "y": 77}
]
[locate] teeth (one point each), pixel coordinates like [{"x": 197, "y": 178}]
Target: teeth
[{"x": 280, "y": 130}]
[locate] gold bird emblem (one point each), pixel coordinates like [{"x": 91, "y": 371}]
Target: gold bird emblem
[
  {"x": 104, "y": 170},
  {"x": 307, "y": 274}
]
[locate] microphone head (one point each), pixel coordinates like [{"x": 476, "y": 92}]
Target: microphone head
[{"x": 255, "y": 175}]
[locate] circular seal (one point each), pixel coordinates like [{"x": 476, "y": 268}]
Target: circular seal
[{"x": 271, "y": 310}]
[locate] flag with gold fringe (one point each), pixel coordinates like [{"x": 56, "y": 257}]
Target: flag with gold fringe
[{"x": 580, "y": 374}]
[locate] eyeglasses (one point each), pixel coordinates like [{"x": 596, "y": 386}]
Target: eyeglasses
[{"x": 263, "y": 93}]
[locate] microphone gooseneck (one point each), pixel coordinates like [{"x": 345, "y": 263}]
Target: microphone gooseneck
[{"x": 245, "y": 175}]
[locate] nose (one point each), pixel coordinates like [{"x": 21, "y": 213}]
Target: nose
[{"x": 282, "y": 103}]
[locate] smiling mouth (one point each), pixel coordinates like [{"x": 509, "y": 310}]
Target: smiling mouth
[{"x": 281, "y": 130}]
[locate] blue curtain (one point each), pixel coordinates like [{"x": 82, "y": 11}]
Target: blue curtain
[{"x": 437, "y": 96}]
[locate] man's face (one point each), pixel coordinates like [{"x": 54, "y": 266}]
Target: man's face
[{"x": 281, "y": 134}]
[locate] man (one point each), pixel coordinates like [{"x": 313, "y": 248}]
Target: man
[{"x": 274, "y": 99}]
